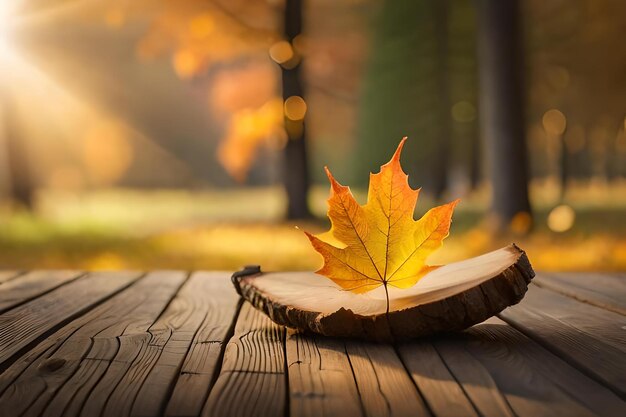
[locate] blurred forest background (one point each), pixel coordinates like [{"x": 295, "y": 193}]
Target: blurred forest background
[{"x": 193, "y": 133}]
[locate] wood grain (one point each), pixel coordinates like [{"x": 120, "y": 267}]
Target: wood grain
[
  {"x": 430, "y": 374},
  {"x": 476, "y": 380},
  {"x": 591, "y": 338},
  {"x": 207, "y": 302},
  {"x": 139, "y": 347},
  {"x": 31, "y": 285},
  {"x": 295, "y": 300},
  {"x": 125, "y": 345},
  {"x": 384, "y": 385},
  {"x": 252, "y": 381},
  {"x": 561, "y": 389},
  {"x": 57, "y": 382},
  {"x": 23, "y": 325},
  {"x": 220, "y": 304},
  {"x": 321, "y": 382},
  {"x": 602, "y": 290},
  {"x": 527, "y": 392},
  {"x": 144, "y": 388}
]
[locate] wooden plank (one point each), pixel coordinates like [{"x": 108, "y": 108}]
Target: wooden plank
[
  {"x": 475, "y": 379},
  {"x": 52, "y": 343},
  {"x": 6, "y": 276},
  {"x": 31, "y": 285},
  {"x": 29, "y": 322},
  {"x": 552, "y": 386},
  {"x": 591, "y": 338},
  {"x": 607, "y": 291},
  {"x": 489, "y": 365},
  {"x": 252, "y": 380},
  {"x": 132, "y": 358},
  {"x": 221, "y": 304},
  {"x": 385, "y": 387},
  {"x": 208, "y": 302},
  {"x": 57, "y": 382},
  {"x": 432, "y": 377},
  {"x": 321, "y": 382}
]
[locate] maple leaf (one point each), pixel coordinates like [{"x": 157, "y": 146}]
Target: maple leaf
[{"x": 380, "y": 242}]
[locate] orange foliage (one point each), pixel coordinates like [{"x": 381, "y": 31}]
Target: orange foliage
[
  {"x": 248, "y": 130},
  {"x": 197, "y": 34},
  {"x": 243, "y": 87},
  {"x": 107, "y": 152}
]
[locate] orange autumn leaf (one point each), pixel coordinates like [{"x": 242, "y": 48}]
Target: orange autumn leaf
[{"x": 381, "y": 242}]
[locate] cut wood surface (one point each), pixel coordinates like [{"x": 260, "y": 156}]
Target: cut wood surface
[
  {"x": 450, "y": 298},
  {"x": 178, "y": 344}
]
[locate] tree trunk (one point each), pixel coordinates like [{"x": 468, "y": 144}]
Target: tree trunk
[
  {"x": 400, "y": 95},
  {"x": 474, "y": 160},
  {"x": 438, "y": 178},
  {"x": 19, "y": 178},
  {"x": 501, "y": 106},
  {"x": 296, "y": 173}
]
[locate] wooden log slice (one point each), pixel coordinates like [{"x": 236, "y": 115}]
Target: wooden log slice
[{"x": 450, "y": 298}]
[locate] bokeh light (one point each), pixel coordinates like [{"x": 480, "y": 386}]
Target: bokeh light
[
  {"x": 554, "y": 122},
  {"x": 186, "y": 63},
  {"x": 521, "y": 223},
  {"x": 561, "y": 218},
  {"x": 281, "y": 52},
  {"x": 120, "y": 101},
  {"x": 295, "y": 108}
]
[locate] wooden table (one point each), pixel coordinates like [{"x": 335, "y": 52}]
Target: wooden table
[{"x": 178, "y": 344}]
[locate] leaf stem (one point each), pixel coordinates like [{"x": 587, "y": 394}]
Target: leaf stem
[
  {"x": 386, "y": 296},
  {"x": 387, "y": 312}
]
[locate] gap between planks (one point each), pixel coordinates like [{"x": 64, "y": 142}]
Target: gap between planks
[
  {"x": 588, "y": 337},
  {"x": 167, "y": 324},
  {"x": 478, "y": 372},
  {"x": 24, "y": 326},
  {"x": 26, "y": 287},
  {"x": 607, "y": 291},
  {"x": 450, "y": 362}
]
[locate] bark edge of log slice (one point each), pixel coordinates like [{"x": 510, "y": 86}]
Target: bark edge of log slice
[{"x": 454, "y": 312}]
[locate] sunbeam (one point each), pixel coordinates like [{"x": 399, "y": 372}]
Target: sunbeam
[
  {"x": 22, "y": 19},
  {"x": 64, "y": 116},
  {"x": 7, "y": 14}
]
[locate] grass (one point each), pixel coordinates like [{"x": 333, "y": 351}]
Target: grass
[{"x": 129, "y": 229}]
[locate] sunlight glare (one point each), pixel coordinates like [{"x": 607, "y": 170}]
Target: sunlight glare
[{"x": 6, "y": 12}]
